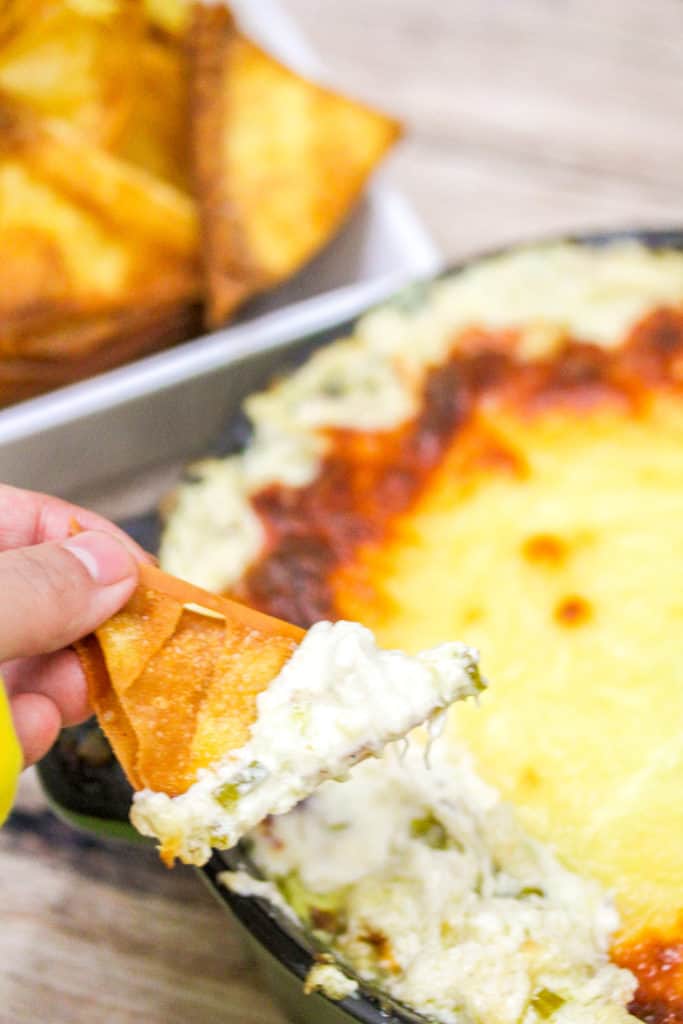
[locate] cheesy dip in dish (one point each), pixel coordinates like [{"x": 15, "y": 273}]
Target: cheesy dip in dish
[{"x": 497, "y": 457}]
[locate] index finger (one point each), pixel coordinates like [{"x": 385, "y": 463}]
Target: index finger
[{"x": 28, "y": 517}]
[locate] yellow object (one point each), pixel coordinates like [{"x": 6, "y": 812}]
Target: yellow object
[{"x": 10, "y": 757}]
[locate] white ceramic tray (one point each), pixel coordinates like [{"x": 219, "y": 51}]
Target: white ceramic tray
[{"x": 168, "y": 406}]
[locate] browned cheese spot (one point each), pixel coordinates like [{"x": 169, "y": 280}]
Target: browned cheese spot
[
  {"x": 545, "y": 549},
  {"x": 657, "y": 962},
  {"x": 382, "y": 947},
  {"x": 573, "y": 611}
]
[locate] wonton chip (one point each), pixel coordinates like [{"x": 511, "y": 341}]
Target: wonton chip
[
  {"x": 71, "y": 340},
  {"x": 173, "y": 16},
  {"x": 108, "y": 238},
  {"x": 155, "y": 135},
  {"x": 67, "y": 351},
  {"x": 174, "y": 678},
  {"x": 71, "y": 60},
  {"x": 279, "y": 162},
  {"x": 138, "y": 633}
]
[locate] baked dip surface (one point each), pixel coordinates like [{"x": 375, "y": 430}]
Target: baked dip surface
[{"x": 499, "y": 460}]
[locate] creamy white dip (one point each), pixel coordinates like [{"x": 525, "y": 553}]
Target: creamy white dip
[
  {"x": 426, "y": 885},
  {"x": 372, "y": 380},
  {"x": 328, "y": 978},
  {"x": 338, "y": 699}
]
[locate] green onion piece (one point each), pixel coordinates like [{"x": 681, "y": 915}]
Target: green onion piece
[
  {"x": 429, "y": 830},
  {"x": 545, "y": 1003}
]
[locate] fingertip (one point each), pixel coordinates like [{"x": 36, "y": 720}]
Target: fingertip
[
  {"x": 37, "y": 722},
  {"x": 104, "y": 556},
  {"x": 55, "y": 593}
]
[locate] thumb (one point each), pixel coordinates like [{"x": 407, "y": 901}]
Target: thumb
[{"x": 53, "y": 594}]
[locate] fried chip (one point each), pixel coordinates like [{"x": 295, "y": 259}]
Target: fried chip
[
  {"x": 140, "y": 631},
  {"x": 64, "y": 352},
  {"x": 70, "y": 340},
  {"x": 14, "y": 14},
  {"x": 174, "y": 676},
  {"x": 155, "y": 135},
  {"x": 248, "y": 662},
  {"x": 279, "y": 162},
  {"x": 173, "y": 16},
  {"x": 112, "y": 718},
  {"x": 109, "y": 121},
  {"x": 111, "y": 237},
  {"x": 71, "y": 60},
  {"x": 163, "y": 702}
]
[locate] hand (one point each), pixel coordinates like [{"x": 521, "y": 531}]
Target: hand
[{"x": 54, "y": 589}]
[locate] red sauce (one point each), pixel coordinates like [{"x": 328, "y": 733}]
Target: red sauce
[{"x": 364, "y": 483}]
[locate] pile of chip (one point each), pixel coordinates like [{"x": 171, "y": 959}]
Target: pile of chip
[{"x": 157, "y": 169}]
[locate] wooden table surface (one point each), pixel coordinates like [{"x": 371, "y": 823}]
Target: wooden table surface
[{"x": 523, "y": 118}]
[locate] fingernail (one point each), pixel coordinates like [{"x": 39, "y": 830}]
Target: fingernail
[{"x": 104, "y": 558}]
